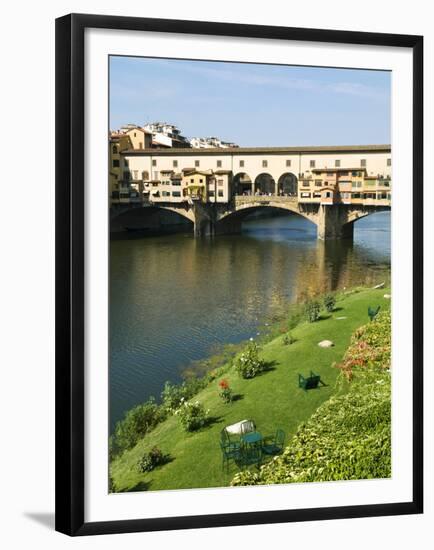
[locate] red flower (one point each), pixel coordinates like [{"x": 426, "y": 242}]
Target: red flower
[{"x": 224, "y": 384}]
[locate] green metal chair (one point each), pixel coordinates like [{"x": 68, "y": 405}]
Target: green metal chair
[
  {"x": 229, "y": 453},
  {"x": 247, "y": 427},
  {"x": 274, "y": 445},
  {"x": 309, "y": 382},
  {"x": 250, "y": 455},
  {"x": 373, "y": 312},
  {"x": 230, "y": 449}
]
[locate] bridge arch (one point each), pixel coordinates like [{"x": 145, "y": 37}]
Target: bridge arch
[
  {"x": 230, "y": 222},
  {"x": 265, "y": 184},
  {"x": 358, "y": 214},
  {"x": 287, "y": 185},
  {"x": 136, "y": 216},
  {"x": 241, "y": 184},
  {"x": 353, "y": 216}
]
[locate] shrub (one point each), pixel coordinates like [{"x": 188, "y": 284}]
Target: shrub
[
  {"x": 370, "y": 347},
  {"x": 173, "y": 395},
  {"x": 288, "y": 339},
  {"x": 329, "y": 302},
  {"x": 192, "y": 415},
  {"x": 312, "y": 311},
  {"x": 248, "y": 364},
  {"x": 225, "y": 391},
  {"x": 150, "y": 460},
  {"x": 136, "y": 423}
]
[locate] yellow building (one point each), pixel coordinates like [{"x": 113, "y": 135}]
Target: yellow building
[
  {"x": 196, "y": 184},
  {"x": 118, "y": 192},
  {"x": 139, "y": 137}
]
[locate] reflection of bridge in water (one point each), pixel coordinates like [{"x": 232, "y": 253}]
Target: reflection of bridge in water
[{"x": 334, "y": 220}]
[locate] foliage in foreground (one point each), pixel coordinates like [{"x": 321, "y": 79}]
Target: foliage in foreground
[
  {"x": 226, "y": 392},
  {"x": 137, "y": 422},
  {"x": 349, "y": 436},
  {"x": 370, "y": 347},
  {"x": 151, "y": 460},
  {"x": 192, "y": 416},
  {"x": 143, "y": 418},
  {"x": 288, "y": 339},
  {"x": 312, "y": 311},
  {"x": 329, "y": 302},
  {"x": 248, "y": 364}
]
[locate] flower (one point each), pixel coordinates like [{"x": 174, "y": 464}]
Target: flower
[{"x": 224, "y": 384}]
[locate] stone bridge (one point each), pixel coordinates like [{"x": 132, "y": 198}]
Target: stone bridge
[{"x": 333, "y": 221}]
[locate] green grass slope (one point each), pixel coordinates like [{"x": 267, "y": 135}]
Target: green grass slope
[{"x": 273, "y": 400}]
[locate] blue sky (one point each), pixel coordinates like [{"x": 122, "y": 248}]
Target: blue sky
[{"x": 253, "y": 104}]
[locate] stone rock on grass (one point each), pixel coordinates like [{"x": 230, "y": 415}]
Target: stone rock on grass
[{"x": 325, "y": 344}]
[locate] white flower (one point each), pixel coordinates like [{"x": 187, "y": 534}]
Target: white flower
[{"x": 251, "y": 338}]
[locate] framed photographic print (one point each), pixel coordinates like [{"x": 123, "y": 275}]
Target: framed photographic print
[{"x": 238, "y": 274}]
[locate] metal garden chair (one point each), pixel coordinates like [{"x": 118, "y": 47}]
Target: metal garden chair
[
  {"x": 373, "y": 312},
  {"x": 230, "y": 449},
  {"x": 247, "y": 427},
  {"x": 274, "y": 445}
]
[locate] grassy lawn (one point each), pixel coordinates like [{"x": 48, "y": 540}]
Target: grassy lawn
[{"x": 273, "y": 400}]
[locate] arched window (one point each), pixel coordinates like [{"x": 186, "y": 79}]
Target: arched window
[
  {"x": 264, "y": 185},
  {"x": 115, "y": 149},
  {"x": 287, "y": 185}
]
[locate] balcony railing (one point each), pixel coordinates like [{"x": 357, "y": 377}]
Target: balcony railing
[{"x": 247, "y": 199}]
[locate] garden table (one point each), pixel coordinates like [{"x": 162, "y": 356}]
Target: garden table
[
  {"x": 251, "y": 448},
  {"x": 252, "y": 438}
]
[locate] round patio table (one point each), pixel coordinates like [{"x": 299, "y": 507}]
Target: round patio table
[{"x": 251, "y": 438}]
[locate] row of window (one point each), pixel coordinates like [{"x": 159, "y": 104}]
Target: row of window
[
  {"x": 382, "y": 195},
  {"x": 312, "y": 163}
]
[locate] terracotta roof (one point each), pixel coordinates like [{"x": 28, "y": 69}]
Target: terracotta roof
[{"x": 137, "y": 128}]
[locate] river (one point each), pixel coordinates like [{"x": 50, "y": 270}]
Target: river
[{"x": 174, "y": 298}]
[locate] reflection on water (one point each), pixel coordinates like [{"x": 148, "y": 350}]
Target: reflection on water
[{"x": 173, "y": 298}]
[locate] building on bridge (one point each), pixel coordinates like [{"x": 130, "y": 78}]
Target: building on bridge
[
  {"x": 345, "y": 186},
  {"x": 350, "y": 173},
  {"x": 216, "y": 188}
]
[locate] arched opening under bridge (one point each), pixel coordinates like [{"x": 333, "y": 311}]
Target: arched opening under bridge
[
  {"x": 371, "y": 229},
  {"x": 261, "y": 220},
  {"x": 149, "y": 220}
]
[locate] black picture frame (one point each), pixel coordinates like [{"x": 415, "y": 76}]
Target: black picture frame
[{"x": 70, "y": 238}]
